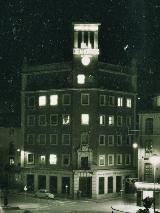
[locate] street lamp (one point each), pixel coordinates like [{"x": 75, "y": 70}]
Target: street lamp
[{"x": 154, "y": 160}]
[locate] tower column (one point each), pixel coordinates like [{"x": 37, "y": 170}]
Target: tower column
[
  {"x": 96, "y": 40},
  {"x": 75, "y": 39}
]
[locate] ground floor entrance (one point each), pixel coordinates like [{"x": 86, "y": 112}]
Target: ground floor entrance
[{"x": 85, "y": 186}]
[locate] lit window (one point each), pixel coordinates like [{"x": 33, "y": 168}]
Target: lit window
[
  {"x": 84, "y": 138},
  {"x": 129, "y": 102},
  {"x": 111, "y": 120},
  {"x": 31, "y": 101},
  {"x": 110, "y": 160},
  {"x": 66, "y": 100},
  {"x": 42, "y": 120},
  {"x": 119, "y": 159},
  {"x": 102, "y": 100},
  {"x": 85, "y": 99},
  {"x": 52, "y": 159},
  {"x": 110, "y": 140},
  {"x": 42, "y": 139},
  {"x": 81, "y": 79},
  {"x": 101, "y": 139},
  {"x": 53, "y": 119},
  {"x": 127, "y": 159},
  {"x": 65, "y": 119},
  {"x": 120, "y": 101},
  {"x": 66, "y": 139},
  {"x": 65, "y": 159},
  {"x": 101, "y": 160},
  {"x": 111, "y": 100},
  {"x": 102, "y": 120},
  {"x": 42, "y": 100},
  {"x": 53, "y": 100},
  {"x": 119, "y": 140},
  {"x": 53, "y": 139},
  {"x": 157, "y": 101},
  {"x": 85, "y": 119},
  {"x": 30, "y": 139},
  {"x": 30, "y": 158},
  {"x": 119, "y": 120},
  {"x": 31, "y": 120},
  {"x": 42, "y": 159}
]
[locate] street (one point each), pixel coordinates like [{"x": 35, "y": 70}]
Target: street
[{"x": 65, "y": 205}]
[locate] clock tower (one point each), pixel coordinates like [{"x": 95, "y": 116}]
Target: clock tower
[{"x": 85, "y": 54}]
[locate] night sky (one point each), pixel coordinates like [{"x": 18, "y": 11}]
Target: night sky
[{"x": 41, "y": 30}]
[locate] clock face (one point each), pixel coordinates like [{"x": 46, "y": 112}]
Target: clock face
[{"x": 85, "y": 60}]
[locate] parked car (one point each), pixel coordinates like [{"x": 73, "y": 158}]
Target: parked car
[{"x": 43, "y": 193}]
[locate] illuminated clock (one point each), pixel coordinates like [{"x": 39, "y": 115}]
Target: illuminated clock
[{"x": 85, "y": 60}]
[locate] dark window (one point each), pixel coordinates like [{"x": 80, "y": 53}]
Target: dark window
[
  {"x": 101, "y": 185},
  {"x": 149, "y": 126},
  {"x": 84, "y": 162},
  {"x": 110, "y": 184}
]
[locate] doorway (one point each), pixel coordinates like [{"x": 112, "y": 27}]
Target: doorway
[{"x": 85, "y": 186}]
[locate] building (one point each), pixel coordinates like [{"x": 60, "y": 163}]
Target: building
[
  {"x": 149, "y": 125},
  {"x": 149, "y": 137},
  {"x": 75, "y": 122},
  {"x": 10, "y": 159}
]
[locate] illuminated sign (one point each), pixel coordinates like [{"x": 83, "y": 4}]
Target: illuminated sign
[{"x": 85, "y": 51}]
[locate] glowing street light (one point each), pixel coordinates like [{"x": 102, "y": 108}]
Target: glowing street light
[
  {"x": 154, "y": 160},
  {"x": 135, "y": 145}
]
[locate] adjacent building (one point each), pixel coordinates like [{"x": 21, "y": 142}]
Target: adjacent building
[{"x": 75, "y": 122}]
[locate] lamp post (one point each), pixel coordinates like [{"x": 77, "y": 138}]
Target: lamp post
[
  {"x": 135, "y": 146},
  {"x": 155, "y": 160}
]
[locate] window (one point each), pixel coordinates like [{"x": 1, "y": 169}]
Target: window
[
  {"x": 31, "y": 101},
  {"x": 119, "y": 159},
  {"x": 30, "y": 139},
  {"x": 120, "y": 102},
  {"x": 52, "y": 159},
  {"x": 110, "y": 140},
  {"x": 102, "y": 120},
  {"x": 85, "y": 119},
  {"x": 84, "y": 138},
  {"x": 101, "y": 139},
  {"x": 66, "y": 139},
  {"x": 110, "y": 160},
  {"x": 127, "y": 159},
  {"x": 42, "y": 100},
  {"x": 85, "y": 99},
  {"x": 53, "y": 100},
  {"x": 42, "y": 159},
  {"x": 102, "y": 100},
  {"x": 111, "y": 120},
  {"x": 148, "y": 148},
  {"x": 101, "y": 185},
  {"x": 80, "y": 79},
  {"x": 128, "y": 139},
  {"x": 119, "y": 140},
  {"x": 65, "y": 119},
  {"x": 129, "y": 102},
  {"x": 148, "y": 173},
  {"x": 157, "y": 101},
  {"x": 65, "y": 159},
  {"x": 42, "y": 120},
  {"x": 128, "y": 121},
  {"x": 42, "y": 139},
  {"x": 53, "y": 138},
  {"x": 66, "y": 100},
  {"x": 30, "y": 120},
  {"x": 54, "y": 119},
  {"x": 119, "y": 120},
  {"x": 101, "y": 160},
  {"x": 149, "y": 126},
  {"x": 111, "y": 100},
  {"x": 30, "y": 158}
]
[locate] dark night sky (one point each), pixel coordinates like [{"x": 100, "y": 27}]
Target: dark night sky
[{"x": 42, "y": 31}]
